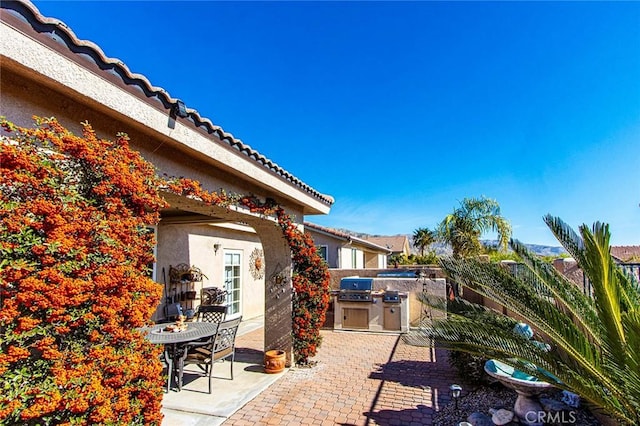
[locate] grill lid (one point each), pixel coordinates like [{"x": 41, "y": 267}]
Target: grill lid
[{"x": 356, "y": 284}]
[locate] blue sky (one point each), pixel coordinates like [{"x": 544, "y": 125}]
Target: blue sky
[{"x": 399, "y": 110}]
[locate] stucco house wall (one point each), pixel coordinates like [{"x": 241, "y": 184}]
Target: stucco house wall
[
  {"x": 194, "y": 245},
  {"x": 351, "y": 257},
  {"x": 375, "y": 260},
  {"x": 345, "y": 251},
  {"x": 321, "y": 240},
  {"x": 397, "y": 244}
]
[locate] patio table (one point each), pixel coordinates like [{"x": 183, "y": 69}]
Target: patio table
[
  {"x": 172, "y": 340},
  {"x": 195, "y": 330}
]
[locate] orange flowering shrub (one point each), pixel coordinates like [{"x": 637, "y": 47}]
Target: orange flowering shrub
[
  {"x": 311, "y": 289},
  {"x": 74, "y": 252}
]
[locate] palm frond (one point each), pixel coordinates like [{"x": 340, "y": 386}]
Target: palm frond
[
  {"x": 631, "y": 327},
  {"x": 629, "y": 289},
  {"x": 509, "y": 292},
  {"x": 462, "y": 228},
  {"x": 595, "y": 340},
  {"x": 567, "y": 237},
  {"x": 566, "y": 295},
  {"x": 464, "y": 308},
  {"x": 600, "y": 269},
  {"x": 490, "y": 340}
]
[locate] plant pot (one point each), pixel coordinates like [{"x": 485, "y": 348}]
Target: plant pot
[{"x": 274, "y": 361}]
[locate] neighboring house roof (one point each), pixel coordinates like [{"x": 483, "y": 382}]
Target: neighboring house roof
[
  {"x": 395, "y": 243},
  {"x": 63, "y": 40},
  {"x": 625, "y": 254},
  {"x": 344, "y": 236}
]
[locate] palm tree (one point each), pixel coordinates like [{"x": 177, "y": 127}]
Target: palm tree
[
  {"x": 595, "y": 339},
  {"x": 463, "y": 228},
  {"x": 423, "y": 238}
]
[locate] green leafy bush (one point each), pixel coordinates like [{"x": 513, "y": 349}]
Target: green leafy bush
[{"x": 470, "y": 367}]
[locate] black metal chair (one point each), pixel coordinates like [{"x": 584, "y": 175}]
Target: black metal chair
[
  {"x": 211, "y": 313},
  {"x": 217, "y": 348}
]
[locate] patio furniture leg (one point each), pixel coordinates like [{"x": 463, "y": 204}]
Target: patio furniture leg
[
  {"x": 169, "y": 362},
  {"x": 180, "y": 361}
]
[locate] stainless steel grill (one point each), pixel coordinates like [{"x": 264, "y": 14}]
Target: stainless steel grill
[
  {"x": 391, "y": 296},
  {"x": 355, "y": 290}
]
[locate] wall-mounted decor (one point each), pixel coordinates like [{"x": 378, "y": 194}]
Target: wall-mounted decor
[
  {"x": 256, "y": 264},
  {"x": 185, "y": 273},
  {"x": 278, "y": 282}
]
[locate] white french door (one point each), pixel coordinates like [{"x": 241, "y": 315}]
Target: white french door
[{"x": 232, "y": 281}]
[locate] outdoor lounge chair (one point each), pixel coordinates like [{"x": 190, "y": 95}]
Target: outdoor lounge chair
[
  {"x": 217, "y": 348},
  {"x": 212, "y": 313}
]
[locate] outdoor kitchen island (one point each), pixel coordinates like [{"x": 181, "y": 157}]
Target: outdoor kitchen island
[{"x": 358, "y": 307}]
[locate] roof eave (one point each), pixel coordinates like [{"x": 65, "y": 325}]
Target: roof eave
[{"x": 156, "y": 99}]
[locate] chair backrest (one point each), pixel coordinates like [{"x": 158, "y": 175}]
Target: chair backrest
[
  {"x": 226, "y": 336},
  {"x": 213, "y": 296},
  {"x": 212, "y": 313}
]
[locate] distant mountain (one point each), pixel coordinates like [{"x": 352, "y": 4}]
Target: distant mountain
[
  {"x": 361, "y": 235},
  {"x": 546, "y": 250},
  {"x": 538, "y": 249},
  {"x": 441, "y": 248}
]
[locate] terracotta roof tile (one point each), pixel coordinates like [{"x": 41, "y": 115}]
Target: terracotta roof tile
[
  {"x": 626, "y": 253},
  {"x": 394, "y": 243},
  {"x": 28, "y": 12},
  {"x": 345, "y": 236}
]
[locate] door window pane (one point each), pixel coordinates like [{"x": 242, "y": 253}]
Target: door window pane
[{"x": 232, "y": 281}]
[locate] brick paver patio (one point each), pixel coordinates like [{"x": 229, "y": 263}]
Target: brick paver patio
[{"x": 360, "y": 379}]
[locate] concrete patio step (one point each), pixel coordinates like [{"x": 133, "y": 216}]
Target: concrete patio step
[{"x": 193, "y": 406}]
